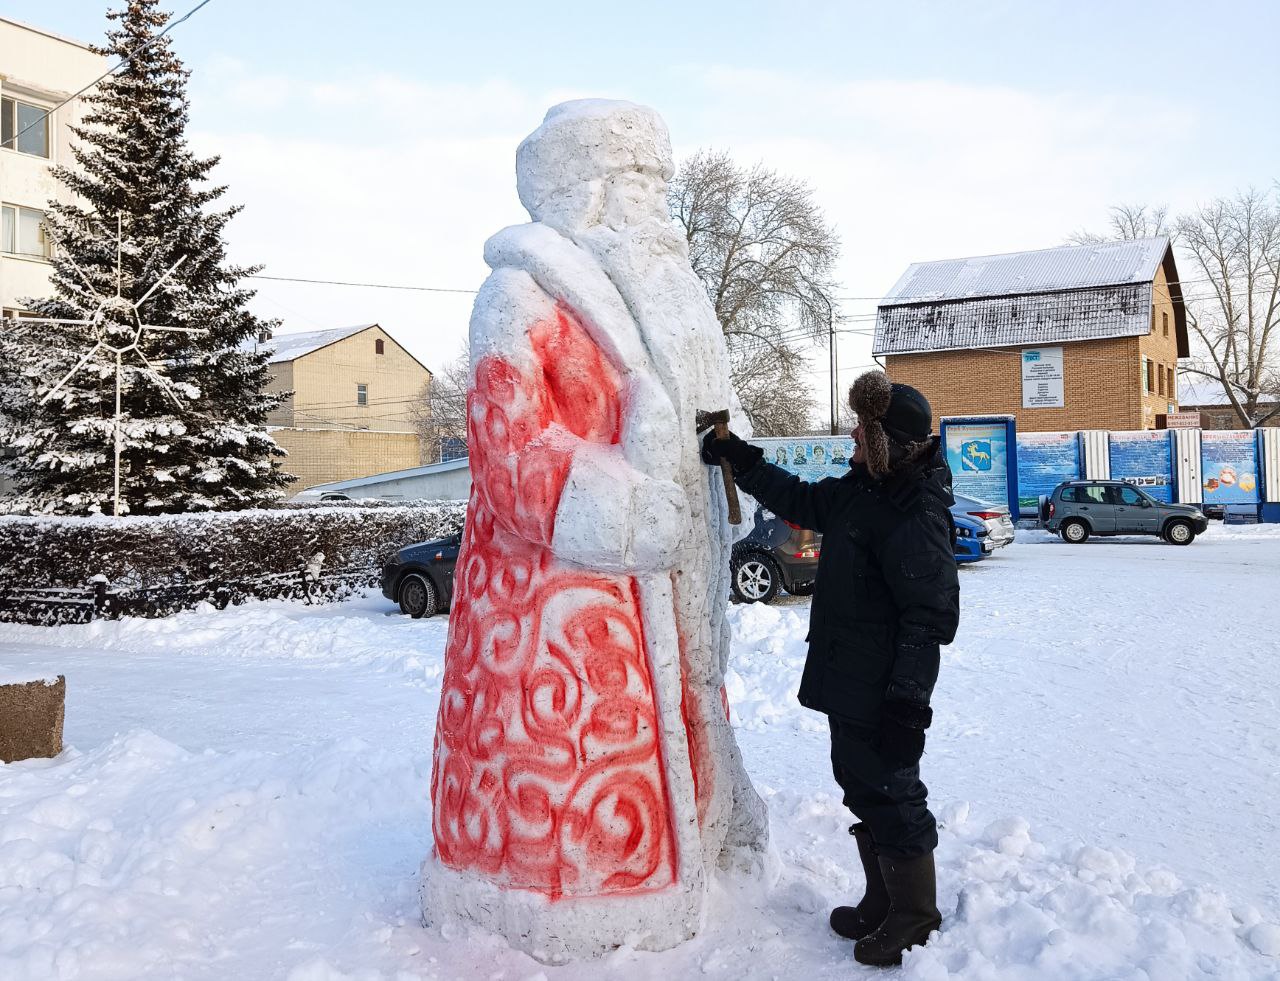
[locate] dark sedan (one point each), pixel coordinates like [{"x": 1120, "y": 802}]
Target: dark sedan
[{"x": 420, "y": 577}]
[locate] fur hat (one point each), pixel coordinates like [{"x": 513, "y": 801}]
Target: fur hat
[{"x": 896, "y": 422}]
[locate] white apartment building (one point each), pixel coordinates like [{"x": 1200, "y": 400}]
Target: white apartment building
[{"x": 38, "y": 70}]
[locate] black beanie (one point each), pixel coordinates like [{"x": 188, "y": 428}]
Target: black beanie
[
  {"x": 887, "y": 412},
  {"x": 909, "y": 418}
]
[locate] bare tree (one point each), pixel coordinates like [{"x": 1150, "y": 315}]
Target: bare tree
[
  {"x": 1128, "y": 221},
  {"x": 764, "y": 251},
  {"x": 1229, "y": 250},
  {"x": 1234, "y": 247},
  {"x": 441, "y": 414}
]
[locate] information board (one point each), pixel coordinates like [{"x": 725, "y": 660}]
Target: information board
[
  {"x": 1042, "y": 384},
  {"x": 1229, "y": 467},
  {"x": 1044, "y": 461},
  {"x": 1144, "y": 458},
  {"x": 978, "y": 454}
]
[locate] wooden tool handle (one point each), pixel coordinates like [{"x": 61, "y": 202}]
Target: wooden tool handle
[{"x": 726, "y": 471}]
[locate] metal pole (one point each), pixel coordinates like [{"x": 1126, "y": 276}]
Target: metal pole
[
  {"x": 116, "y": 427},
  {"x": 832, "y": 362}
]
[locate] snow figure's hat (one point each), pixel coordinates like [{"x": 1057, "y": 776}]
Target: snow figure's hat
[{"x": 561, "y": 165}]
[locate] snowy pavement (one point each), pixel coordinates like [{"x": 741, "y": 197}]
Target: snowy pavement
[{"x": 244, "y": 793}]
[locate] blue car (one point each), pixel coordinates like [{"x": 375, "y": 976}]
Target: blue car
[{"x": 973, "y": 541}]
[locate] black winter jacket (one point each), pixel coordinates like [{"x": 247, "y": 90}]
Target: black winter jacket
[{"x": 887, "y": 593}]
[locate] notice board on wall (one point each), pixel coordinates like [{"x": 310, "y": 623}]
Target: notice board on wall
[
  {"x": 1229, "y": 467},
  {"x": 978, "y": 452},
  {"x": 1042, "y": 378},
  {"x": 1144, "y": 457},
  {"x": 1044, "y": 461}
]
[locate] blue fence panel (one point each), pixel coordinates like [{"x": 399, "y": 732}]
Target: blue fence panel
[
  {"x": 1229, "y": 467},
  {"x": 1044, "y": 460},
  {"x": 1144, "y": 458}
]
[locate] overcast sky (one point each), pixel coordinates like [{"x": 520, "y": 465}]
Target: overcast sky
[{"x": 375, "y": 141}]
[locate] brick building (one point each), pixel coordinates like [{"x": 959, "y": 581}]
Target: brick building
[
  {"x": 1076, "y": 337},
  {"x": 350, "y": 408}
]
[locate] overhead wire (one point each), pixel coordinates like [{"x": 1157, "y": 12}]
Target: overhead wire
[{"x": 128, "y": 57}]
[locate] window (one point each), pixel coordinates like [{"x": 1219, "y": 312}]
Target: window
[
  {"x": 1130, "y": 496},
  {"x": 378, "y": 346},
  {"x": 24, "y": 127},
  {"x": 1160, "y": 379},
  {"x": 1148, "y": 376},
  {"x": 1164, "y": 317},
  {"x": 22, "y": 232},
  {"x": 1168, "y": 386},
  {"x": 362, "y": 394},
  {"x": 1069, "y": 495},
  {"x": 1091, "y": 494}
]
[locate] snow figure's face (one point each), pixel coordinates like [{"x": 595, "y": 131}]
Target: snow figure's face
[{"x": 595, "y": 162}]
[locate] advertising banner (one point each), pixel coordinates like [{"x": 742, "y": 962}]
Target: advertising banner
[
  {"x": 1044, "y": 461},
  {"x": 1042, "y": 385},
  {"x": 1229, "y": 467},
  {"x": 978, "y": 454},
  {"x": 1144, "y": 458},
  {"x": 809, "y": 457}
]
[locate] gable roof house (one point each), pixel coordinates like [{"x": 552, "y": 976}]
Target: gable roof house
[
  {"x": 350, "y": 408},
  {"x": 1074, "y": 337}
]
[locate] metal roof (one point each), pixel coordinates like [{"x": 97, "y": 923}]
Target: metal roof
[
  {"x": 1067, "y": 267},
  {"x": 289, "y": 347},
  {"x": 1070, "y": 293}
]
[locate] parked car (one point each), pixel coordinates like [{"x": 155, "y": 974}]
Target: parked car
[
  {"x": 776, "y": 555},
  {"x": 995, "y": 517},
  {"x": 420, "y": 577},
  {"x": 1079, "y": 508},
  {"x": 973, "y": 540}
]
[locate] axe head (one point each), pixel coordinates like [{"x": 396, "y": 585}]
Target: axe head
[{"x": 705, "y": 419}]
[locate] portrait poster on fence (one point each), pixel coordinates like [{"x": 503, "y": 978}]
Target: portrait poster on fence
[{"x": 808, "y": 457}]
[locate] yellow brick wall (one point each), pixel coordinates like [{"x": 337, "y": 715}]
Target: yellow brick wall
[
  {"x": 281, "y": 381},
  {"x": 324, "y": 384},
  {"x": 1161, "y": 349},
  {"x": 1102, "y": 381},
  {"x": 319, "y": 456}
]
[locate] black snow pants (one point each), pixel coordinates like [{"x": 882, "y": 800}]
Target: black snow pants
[{"x": 891, "y": 801}]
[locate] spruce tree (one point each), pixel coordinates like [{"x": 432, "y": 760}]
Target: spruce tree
[{"x": 192, "y": 404}]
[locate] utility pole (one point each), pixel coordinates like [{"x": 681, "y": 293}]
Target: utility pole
[{"x": 834, "y": 362}]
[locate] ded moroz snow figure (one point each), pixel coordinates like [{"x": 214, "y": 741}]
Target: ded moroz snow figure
[{"x": 586, "y": 782}]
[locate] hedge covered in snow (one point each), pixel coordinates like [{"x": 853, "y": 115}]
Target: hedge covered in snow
[{"x": 156, "y": 565}]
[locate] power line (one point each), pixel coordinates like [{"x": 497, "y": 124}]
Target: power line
[
  {"x": 373, "y": 286},
  {"x": 110, "y": 71}
]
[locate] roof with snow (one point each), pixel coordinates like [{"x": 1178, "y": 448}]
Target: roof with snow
[
  {"x": 1069, "y": 293},
  {"x": 289, "y": 347}
]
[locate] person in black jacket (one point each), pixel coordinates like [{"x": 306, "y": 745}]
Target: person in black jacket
[{"x": 887, "y": 596}]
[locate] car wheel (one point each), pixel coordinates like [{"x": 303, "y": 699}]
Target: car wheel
[
  {"x": 802, "y": 588},
  {"x": 1075, "y": 532},
  {"x": 1179, "y": 533},
  {"x": 417, "y": 595},
  {"x": 755, "y": 578}
]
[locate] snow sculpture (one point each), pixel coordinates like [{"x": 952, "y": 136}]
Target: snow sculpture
[{"x": 586, "y": 781}]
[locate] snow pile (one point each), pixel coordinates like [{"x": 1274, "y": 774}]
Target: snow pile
[{"x": 764, "y": 675}]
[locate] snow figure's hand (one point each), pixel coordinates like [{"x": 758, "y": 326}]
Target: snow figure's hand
[
  {"x": 660, "y": 524},
  {"x": 613, "y": 517}
]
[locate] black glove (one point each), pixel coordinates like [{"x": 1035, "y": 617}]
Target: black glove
[
  {"x": 742, "y": 456},
  {"x": 902, "y": 726}
]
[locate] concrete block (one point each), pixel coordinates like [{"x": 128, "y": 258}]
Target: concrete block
[{"x": 31, "y": 714}]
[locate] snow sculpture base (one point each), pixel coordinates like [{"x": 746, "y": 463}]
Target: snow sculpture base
[
  {"x": 31, "y": 715},
  {"x": 556, "y": 931},
  {"x": 586, "y": 785}
]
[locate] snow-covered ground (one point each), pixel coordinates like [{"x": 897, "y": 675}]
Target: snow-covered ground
[{"x": 244, "y": 793}]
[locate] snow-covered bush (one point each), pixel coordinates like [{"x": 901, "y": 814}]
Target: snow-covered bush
[{"x": 155, "y": 565}]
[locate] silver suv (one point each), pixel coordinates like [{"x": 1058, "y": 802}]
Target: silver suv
[{"x": 1080, "y": 508}]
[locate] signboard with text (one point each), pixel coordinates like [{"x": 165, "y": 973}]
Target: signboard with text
[
  {"x": 1144, "y": 457},
  {"x": 977, "y": 451},
  {"x": 1229, "y": 467},
  {"x": 1042, "y": 384},
  {"x": 1044, "y": 461}
]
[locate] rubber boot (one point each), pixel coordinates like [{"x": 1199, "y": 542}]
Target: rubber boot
[
  {"x": 913, "y": 911},
  {"x": 855, "y": 922}
]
